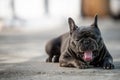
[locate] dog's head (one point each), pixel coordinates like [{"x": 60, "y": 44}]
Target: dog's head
[{"x": 85, "y": 41}]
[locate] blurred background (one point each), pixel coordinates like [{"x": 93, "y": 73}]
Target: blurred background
[
  {"x": 26, "y": 25},
  {"x": 41, "y": 14}
]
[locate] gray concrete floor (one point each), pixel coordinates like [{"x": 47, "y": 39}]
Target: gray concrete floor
[{"x": 22, "y": 55}]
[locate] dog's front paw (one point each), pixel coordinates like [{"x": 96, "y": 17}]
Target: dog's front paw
[
  {"x": 108, "y": 65},
  {"x": 80, "y": 65},
  {"x": 49, "y": 59}
]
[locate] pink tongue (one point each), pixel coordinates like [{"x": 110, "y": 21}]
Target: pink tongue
[{"x": 88, "y": 55}]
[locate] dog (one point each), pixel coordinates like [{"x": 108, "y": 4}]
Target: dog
[{"x": 81, "y": 47}]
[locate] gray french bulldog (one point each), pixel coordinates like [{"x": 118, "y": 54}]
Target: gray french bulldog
[{"x": 81, "y": 47}]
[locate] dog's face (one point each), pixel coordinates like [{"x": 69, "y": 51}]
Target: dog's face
[{"x": 85, "y": 41}]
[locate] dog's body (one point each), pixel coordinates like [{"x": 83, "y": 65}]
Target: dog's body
[
  {"x": 53, "y": 48},
  {"x": 81, "y": 47}
]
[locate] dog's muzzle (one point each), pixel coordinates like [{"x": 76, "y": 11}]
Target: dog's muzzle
[{"x": 87, "y": 46}]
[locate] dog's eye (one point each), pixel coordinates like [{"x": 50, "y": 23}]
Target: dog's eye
[
  {"x": 77, "y": 40},
  {"x": 73, "y": 43}
]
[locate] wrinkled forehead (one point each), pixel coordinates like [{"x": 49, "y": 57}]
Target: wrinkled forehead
[
  {"x": 87, "y": 30},
  {"x": 84, "y": 29}
]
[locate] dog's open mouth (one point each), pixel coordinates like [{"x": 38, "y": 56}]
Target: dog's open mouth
[{"x": 88, "y": 56}]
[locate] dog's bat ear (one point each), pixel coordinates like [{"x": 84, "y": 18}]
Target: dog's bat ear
[
  {"x": 72, "y": 25},
  {"x": 95, "y": 21}
]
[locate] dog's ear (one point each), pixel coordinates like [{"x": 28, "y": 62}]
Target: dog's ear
[
  {"x": 72, "y": 25},
  {"x": 95, "y": 21},
  {"x": 95, "y": 25}
]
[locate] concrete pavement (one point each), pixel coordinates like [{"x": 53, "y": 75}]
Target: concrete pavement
[{"x": 22, "y": 55}]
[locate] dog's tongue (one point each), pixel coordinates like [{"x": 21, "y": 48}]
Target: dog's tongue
[{"x": 88, "y": 55}]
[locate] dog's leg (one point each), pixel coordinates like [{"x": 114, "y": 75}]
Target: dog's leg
[
  {"x": 108, "y": 62},
  {"x": 71, "y": 62},
  {"x": 56, "y": 58},
  {"x": 49, "y": 59}
]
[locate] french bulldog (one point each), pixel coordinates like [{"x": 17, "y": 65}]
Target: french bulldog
[{"x": 81, "y": 47}]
